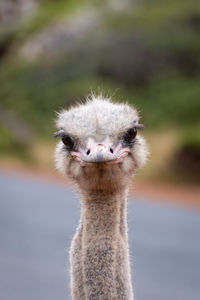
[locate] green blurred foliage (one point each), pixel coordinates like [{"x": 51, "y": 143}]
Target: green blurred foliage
[{"x": 10, "y": 145}]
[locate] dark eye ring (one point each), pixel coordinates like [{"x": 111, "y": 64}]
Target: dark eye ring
[
  {"x": 66, "y": 139},
  {"x": 68, "y": 142},
  {"x": 130, "y": 135}
]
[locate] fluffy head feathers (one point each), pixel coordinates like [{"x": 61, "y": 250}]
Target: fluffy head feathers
[{"x": 98, "y": 115}]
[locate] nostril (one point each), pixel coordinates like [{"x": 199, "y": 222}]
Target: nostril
[
  {"x": 111, "y": 150},
  {"x": 88, "y": 152}
]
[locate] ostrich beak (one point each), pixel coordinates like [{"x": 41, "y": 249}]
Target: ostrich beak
[{"x": 101, "y": 153}]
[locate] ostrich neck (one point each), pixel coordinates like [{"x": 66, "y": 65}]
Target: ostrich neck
[
  {"x": 100, "y": 252},
  {"x": 104, "y": 215}
]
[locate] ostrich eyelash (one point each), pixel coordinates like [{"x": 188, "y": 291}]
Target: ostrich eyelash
[
  {"x": 61, "y": 133},
  {"x": 139, "y": 127},
  {"x": 67, "y": 140}
]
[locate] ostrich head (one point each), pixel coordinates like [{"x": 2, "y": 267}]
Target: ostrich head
[{"x": 99, "y": 147}]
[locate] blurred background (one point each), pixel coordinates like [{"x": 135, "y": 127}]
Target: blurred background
[
  {"x": 147, "y": 53},
  {"x": 54, "y": 53}
]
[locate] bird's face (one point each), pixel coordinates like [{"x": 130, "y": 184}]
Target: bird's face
[{"x": 101, "y": 159}]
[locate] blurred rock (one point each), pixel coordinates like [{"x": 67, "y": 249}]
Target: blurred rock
[
  {"x": 12, "y": 12},
  {"x": 116, "y": 5},
  {"x": 62, "y": 37},
  {"x": 69, "y": 34}
]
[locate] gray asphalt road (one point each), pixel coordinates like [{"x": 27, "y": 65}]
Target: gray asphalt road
[{"x": 38, "y": 220}]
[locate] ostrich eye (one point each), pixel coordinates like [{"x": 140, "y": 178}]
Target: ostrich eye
[
  {"x": 68, "y": 142},
  {"x": 66, "y": 139},
  {"x": 130, "y": 135}
]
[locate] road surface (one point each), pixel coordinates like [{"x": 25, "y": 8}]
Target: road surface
[{"x": 38, "y": 220}]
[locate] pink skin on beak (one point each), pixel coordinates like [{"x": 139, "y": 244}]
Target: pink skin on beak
[{"x": 101, "y": 153}]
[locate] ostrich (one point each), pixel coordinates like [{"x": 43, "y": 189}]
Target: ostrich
[{"x": 100, "y": 150}]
